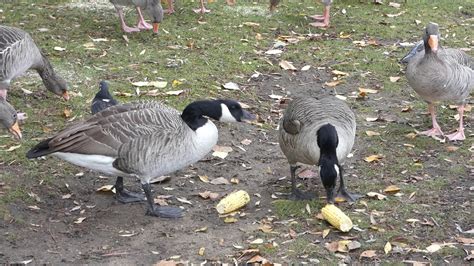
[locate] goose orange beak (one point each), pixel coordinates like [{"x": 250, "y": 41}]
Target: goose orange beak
[
  {"x": 433, "y": 42},
  {"x": 66, "y": 96},
  {"x": 156, "y": 26},
  {"x": 15, "y": 130}
]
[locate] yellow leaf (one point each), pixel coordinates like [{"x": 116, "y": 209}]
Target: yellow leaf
[
  {"x": 176, "y": 83},
  {"x": 373, "y": 158},
  {"x": 376, "y": 195},
  {"x": 234, "y": 180},
  {"x": 392, "y": 189},
  {"x": 339, "y": 73},
  {"x": 229, "y": 220},
  {"x": 266, "y": 228},
  {"x": 201, "y": 251},
  {"x": 67, "y": 113},
  {"x": 394, "y": 79},
  {"x": 387, "y": 248},
  {"x": 204, "y": 178},
  {"x": 326, "y": 232},
  {"x": 287, "y": 65},
  {"x": 411, "y": 135},
  {"x": 106, "y": 188}
]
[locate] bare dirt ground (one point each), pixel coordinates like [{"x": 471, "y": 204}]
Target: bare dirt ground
[{"x": 114, "y": 233}]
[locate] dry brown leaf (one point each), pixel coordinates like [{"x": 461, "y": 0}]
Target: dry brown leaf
[
  {"x": 67, "y": 113},
  {"x": 160, "y": 201},
  {"x": 106, "y": 188},
  {"x": 222, "y": 148},
  {"x": 392, "y": 189},
  {"x": 465, "y": 240},
  {"x": 411, "y": 135},
  {"x": 234, "y": 180},
  {"x": 287, "y": 65},
  {"x": 209, "y": 195},
  {"x": 372, "y": 133},
  {"x": 373, "y": 158},
  {"x": 452, "y": 148},
  {"x": 259, "y": 260},
  {"x": 332, "y": 246},
  {"x": 266, "y": 228},
  {"x": 368, "y": 254},
  {"x": 407, "y": 109}
]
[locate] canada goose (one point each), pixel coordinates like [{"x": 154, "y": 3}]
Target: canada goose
[
  {"x": 154, "y": 9},
  {"x": 18, "y": 53},
  {"x": 144, "y": 140},
  {"x": 441, "y": 75},
  {"x": 9, "y": 118},
  {"x": 318, "y": 132},
  {"x": 322, "y": 20},
  {"x": 103, "y": 99}
]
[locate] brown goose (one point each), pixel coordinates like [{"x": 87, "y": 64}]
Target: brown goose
[
  {"x": 9, "y": 118},
  {"x": 318, "y": 132},
  {"x": 438, "y": 74},
  {"x": 154, "y": 9},
  {"x": 18, "y": 53},
  {"x": 144, "y": 140}
]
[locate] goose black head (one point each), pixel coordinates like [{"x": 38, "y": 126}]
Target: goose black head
[
  {"x": 231, "y": 111},
  {"x": 156, "y": 12},
  {"x": 431, "y": 38},
  {"x": 9, "y": 118},
  {"x": 329, "y": 169}
]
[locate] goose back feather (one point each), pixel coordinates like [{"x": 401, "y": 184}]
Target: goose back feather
[{"x": 302, "y": 120}]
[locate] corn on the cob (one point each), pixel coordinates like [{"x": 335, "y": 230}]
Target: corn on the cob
[
  {"x": 233, "y": 201},
  {"x": 337, "y": 218}
]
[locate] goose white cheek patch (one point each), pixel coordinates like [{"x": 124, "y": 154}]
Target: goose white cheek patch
[{"x": 226, "y": 116}]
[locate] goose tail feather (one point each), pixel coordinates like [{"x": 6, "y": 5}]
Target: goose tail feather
[{"x": 41, "y": 149}]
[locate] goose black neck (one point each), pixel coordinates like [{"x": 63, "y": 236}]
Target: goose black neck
[
  {"x": 327, "y": 142},
  {"x": 45, "y": 69},
  {"x": 194, "y": 114}
]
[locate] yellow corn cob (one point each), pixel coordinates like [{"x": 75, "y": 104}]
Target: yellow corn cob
[
  {"x": 336, "y": 217},
  {"x": 233, "y": 201}
]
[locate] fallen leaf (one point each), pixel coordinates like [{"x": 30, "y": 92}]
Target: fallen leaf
[
  {"x": 234, "y": 180},
  {"x": 33, "y": 207},
  {"x": 222, "y": 148},
  {"x": 396, "y": 5},
  {"x": 394, "y": 79},
  {"x": 67, "y": 113},
  {"x": 376, "y": 195},
  {"x": 332, "y": 246},
  {"x": 219, "y": 181},
  {"x": 407, "y": 109},
  {"x": 340, "y": 97},
  {"x": 201, "y": 251},
  {"x": 392, "y": 189},
  {"x": 57, "y": 48},
  {"x": 12, "y": 148},
  {"x": 274, "y": 52},
  {"x": 372, "y": 133},
  {"x": 25, "y": 91},
  {"x": 220, "y": 154},
  {"x": 174, "y": 93},
  {"x": 246, "y": 142},
  {"x": 204, "y": 178},
  {"x": 266, "y": 228},
  {"x": 106, "y": 188},
  {"x": 333, "y": 83},
  {"x": 368, "y": 254},
  {"x": 251, "y": 24},
  {"x": 257, "y": 241},
  {"x": 156, "y": 84},
  {"x": 371, "y": 119},
  {"x": 326, "y": 232},
  {"x": 274, "y": 96},
  {"x": 287, "y": 65},
  {"x": 159, "y": 179},
  {"x": 66, "y": 196},
  {"x": 452, "y": 148},
  {"x": 209, "y": 195},
  {"x": 339, "y": 73},
  {"x": 305, "y": 68},
  {"x": 229, "y": 220},
  {"x": 231, "y": 86},
  {"x": 79, "y": 220},
  {"x": 201, "y": 230},
  {"x": 184, "y": 200},
  {"x": 387, "y": 248},
  {"x": 373, "y": 158},
  {"x": 465, "y": 240},
  {"x": 363, "y": 90},
  {"x": 395, "y": 15}
]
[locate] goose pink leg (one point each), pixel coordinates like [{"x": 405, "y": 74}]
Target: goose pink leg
[
  {"x": 323, "y": 20},
  {"x": 459, "y": 134},
  {"x": 436, "y": 130},
  {"x": 122, "y": 22},
  {"x": 170, "y": 9},
  {"x": 203, "y": 9},
  {"x": 141, "y": 22},
  {"x": 3, "y": 93}
]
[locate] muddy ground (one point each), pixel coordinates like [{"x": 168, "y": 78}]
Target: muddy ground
[{"x": 114, "y": 233}]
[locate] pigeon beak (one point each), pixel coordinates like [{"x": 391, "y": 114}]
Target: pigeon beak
[
  {"x": 156, "y": 26},
  {"x": 66, "y": 96},
  {"x": 15, "y": 130},
  {"x": 433, "y": 42}
]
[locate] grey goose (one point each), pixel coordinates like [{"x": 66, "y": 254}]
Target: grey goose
[
  {"x": 153, "y": 7},
  {"x": 103, "y": 99},
  {"x": 318, "y": 132},
  {"x": 321, "y": 20},
  {"x": 9, "y": 118},
  {"x": 144, "y": 140},
  {"x": 438, "y": 74},
  {"x": 18, "y": 53}
]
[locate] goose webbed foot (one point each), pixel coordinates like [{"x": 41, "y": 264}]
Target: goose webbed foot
[
  {"x": 297, "y": 194},
  {"x": 458, "y": 135},
  {"x": 128, "y": 29},
  {"x": 125, "y": 196},
  {"x": 202, "y": 10},
  {"x": 343, "y": 193},
  {"x": 317, "y": 17},
  {"x": 142, "y": 25},
  {"x": 319, "y": 24},
  {"x": 164, "y": 211},
  {"x": 435, "y": 131}
]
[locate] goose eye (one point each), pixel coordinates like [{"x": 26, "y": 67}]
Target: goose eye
[{"x": 14, "y": 116}]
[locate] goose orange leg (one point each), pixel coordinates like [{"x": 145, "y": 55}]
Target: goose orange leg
[
  {"x": 436, "y": 130},
  {"x": 459, "y": 134}
]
